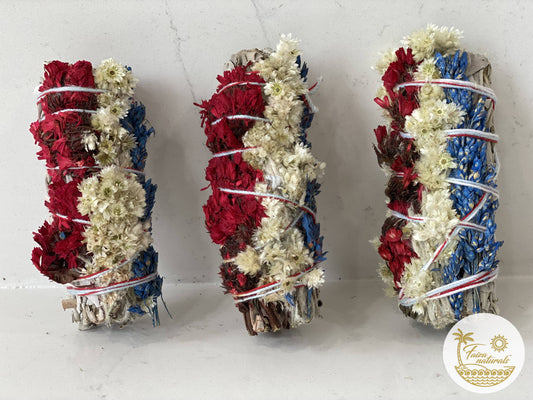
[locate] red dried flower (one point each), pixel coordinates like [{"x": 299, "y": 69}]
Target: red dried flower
[
  {"x": 60, "y": 138},
  {"x": 60, "y": 245},
  {"x": 399, "y": 154},
  {"x": 231, "y": 219}
]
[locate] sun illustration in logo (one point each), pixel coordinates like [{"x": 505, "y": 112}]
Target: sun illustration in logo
[{"x": 499, "y": 343}]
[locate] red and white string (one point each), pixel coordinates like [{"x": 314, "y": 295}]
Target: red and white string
[
  {"x": 470, "y": 282},
  {"x": 273, "y": 287},
  {"x": 98, "y": 290}
]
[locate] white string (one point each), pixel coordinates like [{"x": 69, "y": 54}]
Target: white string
[
  {"x": 398, "y": 214},
  {"x": 271, "y": 195},
  {"x": 470, "y": 225},
  {"x": 313, "y": 108},
  {"x": 100, "y": 167},
  {"x": 77, "y": 110},
  {"x": 230, "y": 152},
  {"x": 459, "y": 132},
  {"x": 241, "y": 116},
  {"x": 67, "y": 89},
  {"x": 472, "y": 132},
  {"x": 462, "y": 224},
  {"x": 406, "y": 135},
  {"x": 464, "y": 182},
  {"x": 240, "y": 84},
  {"x": 475, "y": 185},
  {"x": 258, "y": 295},
  {"x": 454, "y": 84},
  {"x": 79, "y": 221}
]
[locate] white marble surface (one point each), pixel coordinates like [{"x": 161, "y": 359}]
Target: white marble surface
[
  {"x": 177, "y": 48},
  {"x": 362, "y": 348}
]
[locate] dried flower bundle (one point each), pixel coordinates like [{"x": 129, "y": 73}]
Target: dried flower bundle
[
  {"x": 262, "y": 211},
  {"x": 438, "y": 150},
  {"x": 92, "y": 137}
]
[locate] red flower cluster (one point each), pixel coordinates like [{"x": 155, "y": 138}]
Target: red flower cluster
[
  {"x": 240, "y": 99},
  {"x": 60, "y": 74},
  {"x": 394, "y": 249},
  {"x": 400, "y": 155},
  {"x": 231, "y": 219},
  {"x": 63, "y": 197},
  {"x": 59, "y": 137},
  {"x": 60, "y": 246},
  {"x": 229, "y": 215},
  {"x": 399, "y": 71}
]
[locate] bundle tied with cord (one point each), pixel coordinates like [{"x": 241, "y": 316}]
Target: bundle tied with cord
[
  {"x": 438, "y": 240},
  {"x": 97, "y": 241},
  {"x": 262, "y": 211}
]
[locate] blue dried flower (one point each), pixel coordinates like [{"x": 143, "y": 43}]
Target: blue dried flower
[
  {"x": 475, "y": 251},
  {"x": 134, "y": 123}
]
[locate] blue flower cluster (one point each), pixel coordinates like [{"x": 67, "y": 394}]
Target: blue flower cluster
[
  {"x": 307, "y": 116},
  {"x": 476, "y": 251},
  {"x": 149, "y": 190},
  {"x": 309, "y": 228},
  {"x": 304, "y": 70},
  {"x": 146, "y": 263},
  {"x": 134, "y": 123}
]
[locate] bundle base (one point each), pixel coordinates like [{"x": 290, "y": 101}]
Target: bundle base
[
  {"x": 262, "y": 316},
  {"x": 102, "y": 310}
]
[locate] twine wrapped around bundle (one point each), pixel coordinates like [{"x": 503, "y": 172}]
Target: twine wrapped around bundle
[
  {"x": 98, "y": 240},
  {"x": 438, "y": 240},
  {"x": 262, "y": 211}
]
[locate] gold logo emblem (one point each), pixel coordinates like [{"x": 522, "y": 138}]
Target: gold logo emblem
[
  {"x": 478, "y": 364},
  {"x": 483, "y": 353}
]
